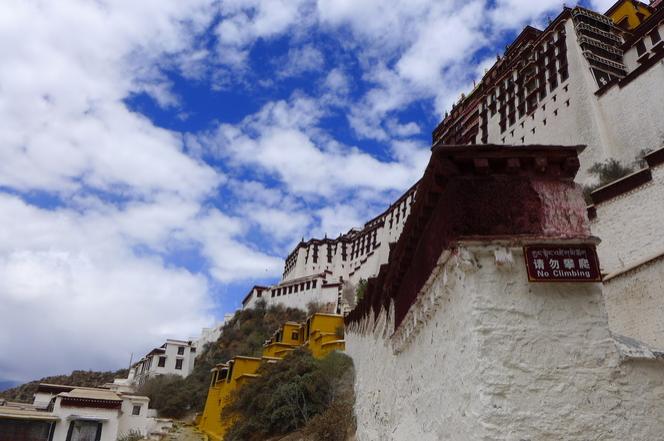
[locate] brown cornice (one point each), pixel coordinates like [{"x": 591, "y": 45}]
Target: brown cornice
[
  {"x": 653, "y": 159},
  {"x": 621, "y": 186}
]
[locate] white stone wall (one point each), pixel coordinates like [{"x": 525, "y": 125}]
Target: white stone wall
[
  {"x": 635, "y": 114},
  {"x": 484, "y": 355},
  {"x": 129, "y": 422},
  {"x": 324, "y": 294},
  {"x": 629, "y": 225},
  {"x": 635, "y": 303}
]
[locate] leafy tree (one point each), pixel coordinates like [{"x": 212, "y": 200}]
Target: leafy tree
[
  {"x": 609, "y": 171},
  {"x": 606, "y": 172},
  {"x": 361, "y": 289},
  {"x": 291, "y": 393}
]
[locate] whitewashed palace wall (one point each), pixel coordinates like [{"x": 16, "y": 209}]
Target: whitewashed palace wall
[
  {"x": 634, "y": 111},
  {"x": 484, "y": 355},
  {"x": 317, "y": 269},
  {"x": 567, "y": 116},
  {"x": 617, "y": 124},
  {"x": 630, "y": 253}
]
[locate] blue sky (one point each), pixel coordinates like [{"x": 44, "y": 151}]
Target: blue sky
[{"x": 159, "y": 158}]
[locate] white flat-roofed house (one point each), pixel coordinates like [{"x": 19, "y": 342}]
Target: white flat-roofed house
[
  {"x": 71, "y": 413},
  {"x": 174, "y": 357}
]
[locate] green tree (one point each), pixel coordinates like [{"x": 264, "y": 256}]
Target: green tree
[{"x": 292, "y": 393}]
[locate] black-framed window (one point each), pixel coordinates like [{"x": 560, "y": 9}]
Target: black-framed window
[
  {"x": 181, "y": 350},
  {"x": 640, "y": 47},
  {"x": 81, "y": 430},
  {"x": 178, "y": 363},
  {"x": 162, "y": 362},
  {"x": 655, "y": 37},
  {"x": 136, "y": 410}
]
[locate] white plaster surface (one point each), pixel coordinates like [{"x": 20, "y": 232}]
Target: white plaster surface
[
  {"x": 488, "y": 356},
  {"x": 616, "y": 125},
  {"x": 635, "y": 303},
  {"x": 630, "y": 225}
]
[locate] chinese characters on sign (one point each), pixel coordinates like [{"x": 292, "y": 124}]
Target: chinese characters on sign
[{"x": 562, "y": 263}]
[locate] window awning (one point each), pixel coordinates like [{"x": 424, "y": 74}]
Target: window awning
[{"x": 98, "y": 419}]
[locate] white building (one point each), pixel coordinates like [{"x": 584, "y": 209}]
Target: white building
[
  {"x": 174, "y": 357},
  {"x": 71, "y": 413},
  {"x": 318, "y": 270},
  {"x": 210, "y": 335},
  {"x": 581, "y": 80}
]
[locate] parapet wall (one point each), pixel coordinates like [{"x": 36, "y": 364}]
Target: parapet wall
[
  {"x": 627, "y": 216},
  {"x": 452, "y": 340},
  {"x": 489, "y": 356}
]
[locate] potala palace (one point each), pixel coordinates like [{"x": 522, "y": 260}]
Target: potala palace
[
  {"x": 511, "y": 294},
  {"x": 500, "y": 303}
]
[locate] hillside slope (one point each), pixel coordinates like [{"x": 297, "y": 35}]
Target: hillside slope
[
  {"x": 24, "y": 393},
  {"x": 244, "y": 334}
]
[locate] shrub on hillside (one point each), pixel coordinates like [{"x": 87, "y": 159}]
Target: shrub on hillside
[
  {"x": 25, "y": 392},
  {"x": 289, "y": 394},
  {"x": 244, "y": 334},
  {"x": 168, "y": 394}
]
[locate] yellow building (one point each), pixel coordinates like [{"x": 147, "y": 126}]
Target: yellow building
[
  {"x": 321, "y": 334},
  {"x": 324, "y": 333},
  {"x": 225, "y": 379},
  {"x": 287, "y": 338},
  {"x": 629, "y": 14}
]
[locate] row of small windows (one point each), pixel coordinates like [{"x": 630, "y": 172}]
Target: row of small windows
[
  {"x": 655, "y": 38},
  {"x": 400, "y": 212},
  {"x": 291, "y": 289},
  {"x": 161, "y": 362},
  {"x": 544, "y": 121}
]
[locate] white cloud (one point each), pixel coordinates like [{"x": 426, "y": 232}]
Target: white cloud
[
  {"x": 423, "y": 49},
  {"x": 299, "y": 61},
  {"x": 94, "y": 274},
  {"x": 88, "y": 281},
  {"x": 69, "y": 282},
  {"x": 65, "y": 124},
  {"x": 282, "y": 139}
]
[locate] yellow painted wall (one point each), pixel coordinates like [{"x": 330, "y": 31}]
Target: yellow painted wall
[
  {"x": 323, "y": 334},
  {"x": 629, "y": 10},
  {"x": 239, "y": 369},
  {"x": 287, "y": 338}
]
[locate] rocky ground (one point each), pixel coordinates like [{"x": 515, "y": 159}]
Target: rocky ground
[{"x": 185, "y": 433}]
